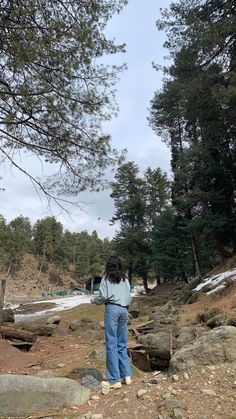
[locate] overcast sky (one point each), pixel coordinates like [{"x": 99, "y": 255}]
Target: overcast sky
[{"x": 136, "y": 27}]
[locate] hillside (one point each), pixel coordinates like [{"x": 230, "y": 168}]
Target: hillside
[{"x": 26, "y": 281}]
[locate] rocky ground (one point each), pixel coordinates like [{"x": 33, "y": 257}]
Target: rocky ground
[{"x": 204, "y": 388}]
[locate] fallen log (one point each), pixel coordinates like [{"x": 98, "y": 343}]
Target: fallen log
[
  {"x": 19, "y": 334},
  {"x": 39, "y": 329}
]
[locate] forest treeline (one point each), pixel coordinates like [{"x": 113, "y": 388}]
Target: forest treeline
[{"x": 80, "y": 253}]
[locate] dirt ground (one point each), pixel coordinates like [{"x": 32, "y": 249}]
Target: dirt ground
[{"x": 205, "y": 393}]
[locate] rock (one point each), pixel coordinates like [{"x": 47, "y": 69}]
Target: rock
[
  {"x": 54, "y": 320},
  {"x": 156, "y": 344},
  {"x": 175, "y": 377},
  {"x": 97, "y": 416},
  {"x": 215, "y": 346},
  {"x": 24, "y": 394},
  {"x": 90, "y": 382},
  {"x": 208, "y": 392},
  {"x": 61, "y": 365},
  {"x": 186, "y": 376},
  {"x": 172, "y": 403},
  {"x": 98, "y": 354},
  {"x": 188, "y": 334},
  {"x": 87, "y": 415},
  {"x": 101, "y": 324},
  {"x": 177, "y": 414},
  {"x": 105, "y": 391},
  {"x": 218, "y": 320},
  {"x": 74, "y": 325},
  {"x": 140, "y": 393},
  {"x": 95, "y": 397},
  {"x": 79, "y": 373}
]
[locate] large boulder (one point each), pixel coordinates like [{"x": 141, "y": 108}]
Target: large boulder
[
  {"x": 24, "y": 394},
  {"x": 157, "y": 344},
  {"x": 188, "y": 334},
  {"x": 216, "y": 346}
]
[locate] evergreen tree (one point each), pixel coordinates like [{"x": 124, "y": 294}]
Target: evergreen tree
[
  {"x": 19, "y": 240},
  {"x": 55, "y": 92},
  {"x": 193, "y": 113},
  {"x": 128, "y": 192}
]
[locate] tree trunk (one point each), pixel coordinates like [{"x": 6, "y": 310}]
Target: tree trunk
[
  {"x": 145, "y": 284},
  {"x": 2, "y": 294},
  {"x": 130, "y": 273},
  {"x": 195, "y": 257}
]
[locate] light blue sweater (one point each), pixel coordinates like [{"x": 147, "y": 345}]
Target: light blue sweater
[{"x": 114, "y": 293}]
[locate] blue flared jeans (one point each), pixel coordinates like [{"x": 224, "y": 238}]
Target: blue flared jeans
[{"x": 117, "y": 361}]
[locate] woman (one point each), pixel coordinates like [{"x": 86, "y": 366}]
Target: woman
[{"x": 115, "y": 294}]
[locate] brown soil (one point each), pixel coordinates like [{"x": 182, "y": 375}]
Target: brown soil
[{"x": 73, "y": 349}]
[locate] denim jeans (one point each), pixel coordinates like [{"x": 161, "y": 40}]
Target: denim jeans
[{"x": 117, "y": 361}]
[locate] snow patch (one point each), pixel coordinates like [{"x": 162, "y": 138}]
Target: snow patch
[{"x": 216, "y": 282}]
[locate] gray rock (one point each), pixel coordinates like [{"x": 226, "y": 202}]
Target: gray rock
[
  {"x": 140, "y": 393},
  {"x": 54, "y": 320},
  {"x": 98, "y": 354},
  {"x": 24, "y": 394},
  {"x": 79, "y": 373},
  {"x": 74, "y": 325},
  {"x": 156, "y": 344},
  {"x": 216, "y": 346},
  {"x": 172, "y": 403},
  {"x": 208, "y": 392},
  {"x": 177, "y": 414},
  {"x": 90, "y": 382},
  {"x": 188, "y": 334},
  {"x": 105, "y": 391},
  {"x": 61, "y": 365}
]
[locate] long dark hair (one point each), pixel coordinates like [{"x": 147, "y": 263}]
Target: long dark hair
[{"x": 114, "y": 271}]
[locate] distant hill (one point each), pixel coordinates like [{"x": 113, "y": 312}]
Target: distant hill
[{"x": 27, "y": 281}]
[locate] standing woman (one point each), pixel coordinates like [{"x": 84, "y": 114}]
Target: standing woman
[{"x": 115, "y": 294}]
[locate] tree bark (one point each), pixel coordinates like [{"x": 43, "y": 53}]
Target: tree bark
[
  {"x": 2, "y": 294},
  {"x": 130, "y": 273},
  {"x": 145, "y": 284},
  {"x": 195, "y": 257}
]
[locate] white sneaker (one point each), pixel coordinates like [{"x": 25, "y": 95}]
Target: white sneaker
[
  {"x": 127, "y": 380},
  {"x": 108, "y": 384}
]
